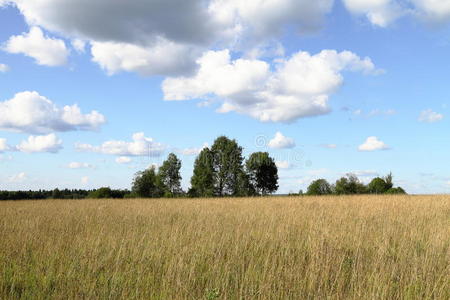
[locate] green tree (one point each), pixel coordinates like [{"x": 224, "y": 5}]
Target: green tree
[
  {"x": 228, "y": 167},
  {"x": 101, "y": 193},
  {"x": 389, "y": 181},
  {"x": 396, "y": 191},
  {"x": 169, "y": 176},
  {"x": 145, "y": 184},
  {"x": 202, "y": 181},
  {"x": 262, "y": 173},
  {"x": 319, "y": 187},
  {"x": 378, "y": 186},
  {"x": 349, "y": 185}
]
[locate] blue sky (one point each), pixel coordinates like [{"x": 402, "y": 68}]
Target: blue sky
[{"x": 92, "y": 93}]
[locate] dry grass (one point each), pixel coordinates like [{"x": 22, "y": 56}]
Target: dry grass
[{"x": 363, "y": 247}]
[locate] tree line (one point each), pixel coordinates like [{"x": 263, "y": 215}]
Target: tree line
[
  {"x": 351, "y": 185},
  {"x": 220, "y": 170}
]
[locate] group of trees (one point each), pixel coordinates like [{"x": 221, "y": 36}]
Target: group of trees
[
  {"x": 350, "y": 184},
  {"x": 63, "y": 194},
  {"x": 218, "y": 171}
]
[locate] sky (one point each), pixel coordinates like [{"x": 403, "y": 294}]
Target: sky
[{"x": 92, "y": 92}]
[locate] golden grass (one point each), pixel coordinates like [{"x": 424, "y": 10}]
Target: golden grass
[{"x": 361, "y": 247}]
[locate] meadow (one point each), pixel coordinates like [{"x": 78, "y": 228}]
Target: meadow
[{"x": 349, "y": 247}]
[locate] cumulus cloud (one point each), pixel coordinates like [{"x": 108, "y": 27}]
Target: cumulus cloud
[
  {"x": 18, "y": 178},
  {"x": 32, "y": 113},
  {"x": 41, "y": 143},
  {"x": 430, "y": 116},
  {"x": 3, "y": 145},
  {"x": 379, "y": 12},
  {"x": 283, "y": 164},
  {"x": 162, "y": 58},
  {"x": 193, "y": 151},
  {"x": 281, "y": 142},
  {"x": 435, "y": 11},
  {"x": 79, "y": 45},
  {"x": 383, "y": 12},
  {"x": 134, "y": 29},
  {"x": 140, "y": 146},
  {"x": 297, "y": 87},
  {"x": 46, "y": 51},
  {"x": 79, "y": 165},
  {"x": 123, "y": 160},
  {"x": 372, "y": 143},
  {"x": 4, "y": 68}
]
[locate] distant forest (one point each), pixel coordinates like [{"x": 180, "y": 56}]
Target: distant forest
[{"x": 219, "y": 171}]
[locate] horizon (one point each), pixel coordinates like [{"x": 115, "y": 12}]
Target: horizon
[{"x": 327, "y": 87}]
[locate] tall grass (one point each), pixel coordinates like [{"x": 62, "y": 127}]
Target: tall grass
[{"x": 362, "y": 247}]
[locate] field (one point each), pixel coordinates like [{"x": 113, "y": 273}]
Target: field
[{"x": 359, "y": 247}]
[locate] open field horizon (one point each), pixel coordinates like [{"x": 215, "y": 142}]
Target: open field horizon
[{"x": 334, "y": 247}]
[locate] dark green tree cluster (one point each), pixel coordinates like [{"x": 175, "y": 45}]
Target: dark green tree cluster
[
  {"x": 221, "y": 171},
  {"x": 164, "y": 182},
  {"x": 63, "y": 194},
  {"x": 351, "y": 185}
]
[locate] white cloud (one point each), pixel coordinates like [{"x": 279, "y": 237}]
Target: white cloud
[
  {"x": 46, "y": 51},
  {"x": 298, "y": 87},
  {"x": 41, "y": 143},
  {"x": 123, "y": 160},
  {"x": 140, "y": 146},
  {"x": 79, "y": 165},
  {"x": 384, "y": 12},
  {"x": 79, "y": 45},
  {"x": 283, "y": 164},
  {"x": 194, "y": 151},
  {"x": 133, "y": 30},
  {"x": 4, "y": 68},
  {"x": 3, "y": 145},
  {"x": 33, "y": 113},
  {"x": 85, "y": 180},
  {"x": 162, "y": 58},
  {"x": 435, "y": 11},
  {"x": 430, "y": 116},
  {"x": 379, "y": 12},
  {"x": 281, "y": 142},
  {"x": 18, "y": 178},
  {"x": 372, "y": 143}
]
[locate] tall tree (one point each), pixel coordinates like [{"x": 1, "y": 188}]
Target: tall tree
[
  {"x": 228, "y": 167},
  {"x": 169, "y": 176},
  {"x": 145, "y": 184},
  {"x": 262, "y": 173},
  {"x": 202, "y": 182}
]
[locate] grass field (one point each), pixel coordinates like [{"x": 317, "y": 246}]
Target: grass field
[{"x": 361, "y": 247}]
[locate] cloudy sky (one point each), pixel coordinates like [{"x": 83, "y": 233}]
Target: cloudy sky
[{"x": 94, "y": 91}]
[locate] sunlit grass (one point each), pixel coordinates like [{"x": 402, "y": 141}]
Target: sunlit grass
[{"x": 361, "y": 247}]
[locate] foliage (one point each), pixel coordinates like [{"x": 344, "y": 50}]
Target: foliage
[
  {"x": 147, "y": 185},
  {"x": 169, "y": 176},
  {"x": 378, "y": 186},
  {"x": 349, "y": 185},
  {"x": 319, "y": 187},
  {"x": 202, "y": 181},
  {"x": 228, "y": 167},
  {"x": 396, "y": 191},
  {"x": 262, "y": 173}
]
